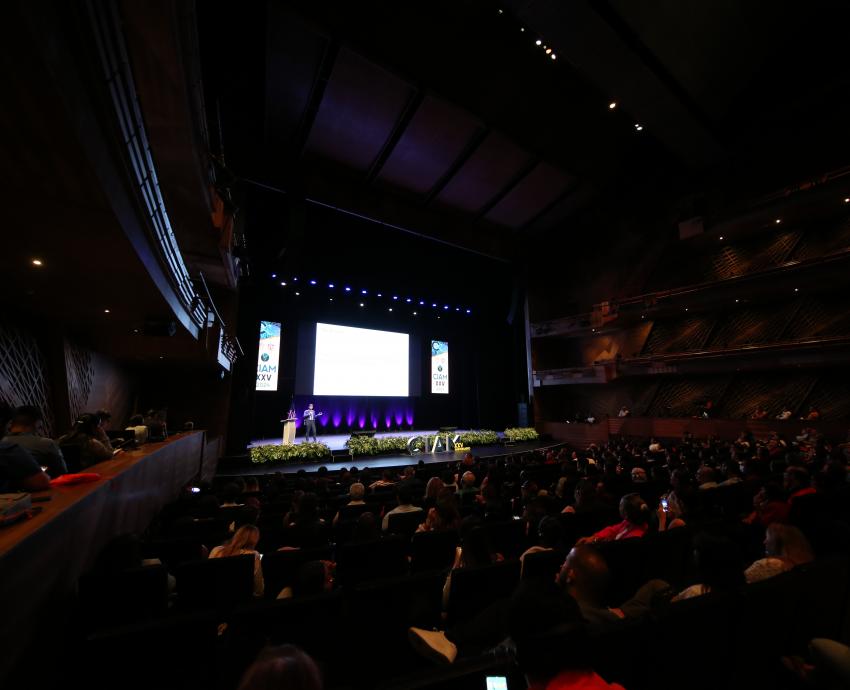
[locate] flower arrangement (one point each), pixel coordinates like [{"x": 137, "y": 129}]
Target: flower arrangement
[
  {"x": 482, "y": 437},
  {"x": 372, "y": 445},
  {"x": 522, "y": 434},
  {"x": 291, "y": 453}
]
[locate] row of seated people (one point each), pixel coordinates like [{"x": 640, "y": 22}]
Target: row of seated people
[
  {"x": 480, "y": 560},
  {"x": 29, "y": 459}
]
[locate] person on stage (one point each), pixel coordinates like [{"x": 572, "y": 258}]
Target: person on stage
[{"x": 310, "y": 422}]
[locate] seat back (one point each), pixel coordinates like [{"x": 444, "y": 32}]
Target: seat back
[
  {"x": 472, "y": 589},
  {"x": 217, "y": 584},
  {"x": 371, "y": 560},
  {"x": 112, "y": 599},
  {"x": 405, "y": 524},
  {"x": 281, "y": 567},
  {"x": 432, "y": 550}
]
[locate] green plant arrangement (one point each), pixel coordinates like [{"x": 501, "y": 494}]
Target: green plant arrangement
[
  {"x": 291, "y": 453},
  {"x": 526, "y": 433},
  {"x": 482, "y": 437},
  {"x": 366, "y": 445}
]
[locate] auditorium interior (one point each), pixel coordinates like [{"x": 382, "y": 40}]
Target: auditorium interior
[{"x": 545, "y": 304}]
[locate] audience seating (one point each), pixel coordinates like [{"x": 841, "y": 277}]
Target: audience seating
[
  {"x": 405, "y": 524},
  {"x": 545, "y": 564},
  {"x": 371, "y": 560},
  {"x": 216, "y": 583},
  {"x": 432, "y": 550},
  {"x": 473, "y": 589},
  {"x": 281, "y": 567},
  {"x": 110, "y": 599}
]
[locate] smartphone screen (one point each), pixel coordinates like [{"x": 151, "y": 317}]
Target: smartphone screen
[
  {"x": 664, "y": 504},
  {"x": 497, "y": 683}
]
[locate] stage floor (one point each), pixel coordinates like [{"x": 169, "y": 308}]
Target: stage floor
[
  {"x": 337, "y": 441},
  {"x": 379, "y": 461}
]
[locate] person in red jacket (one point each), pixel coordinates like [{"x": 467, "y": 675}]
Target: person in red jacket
[{"x": 635, "y": 514}]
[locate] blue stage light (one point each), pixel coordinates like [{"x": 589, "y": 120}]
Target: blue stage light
[
  {"x": 331, "y": 286},
  {"x": 422, "y": 302},
  {"x": 347, "y": 289},
  {"x": 408, "y": 300},
  {"x": 274, "y": 275},
  {"x": 363, "y": 292},
  {"x": 445, "y": 306},
  {"x": 457, "y": 308},
  {"x": 469, "y": 311},
  {"x": 380, "y": 295},
  {"x": 434, "y": 305},
  {"x": 312, "y": 282},
  {"x": 395, "y": 296}
]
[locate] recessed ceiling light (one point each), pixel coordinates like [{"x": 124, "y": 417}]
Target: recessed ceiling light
[
  {"x": 778, "y": 221},
  {"x": 414, "y": 313},
  {"x": 298, "y": 294},
  {"x": 274, "y": 275},
  {"x": 283, "y": 283},
  {"x": 553, "y": 56},
  {"x": 847, "y": 200},
  {"x": 361, "y": 304},
  {"x": 548, "y": 51},
  {"x": 37, "y": 262},
  {"x": 331, "y": 285},
  {"x": 538, "y": 42},
  {"x": 796, "y": 289},
  {"x": 312, "y": 282},
  {"x": 736, "y": 301},
  {"x": 395, "y": 297},
  {"x": 522, "y": 28},
  {"x": 162, "y": 356},
  {"x": 348, "y": 289},
  {"x": 363, "y": 292},
  {"x": 686, "y": 309},
  {"x": 391, "y": 308},
  {"x": 106, "y": 311},
  {"x": 612, "y": 105},
  {"x": 638, "y": 127},
  {"x": 721, "y": 237},
  {"x": 501, "y": 11},
  {"x": 469, "y": 311},
  {"x": 331, "y": 299}
]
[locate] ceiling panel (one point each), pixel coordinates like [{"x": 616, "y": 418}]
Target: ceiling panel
[
  {"x": 542, "y": 186},
  {"x": 432, "y": 142},
  {"x": 360, "y": 107},
  {"x": 489, "y": 169}
]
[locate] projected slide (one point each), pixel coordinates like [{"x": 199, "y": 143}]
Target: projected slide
[
  {"x": 269, "y": 356},
  {"x": 360, "y": 361},
  {"x": 439, "y": 366}
]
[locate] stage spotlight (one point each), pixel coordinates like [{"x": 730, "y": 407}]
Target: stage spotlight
[
  {"x": 331, "y": 299},
  {"x": 501, "y": 11},
  {"x": 796, "y": 289},
  {"x": 274, "y": 275},
  {"x": 283, "y": 283},
  {"x": 414, "y": 313},
  {"x": 295, "y": 279},
  {"x": 380, "y": 295},
  {"x": 445, "y": 306},
  {"x": 347, "y": 289},
  {"x": 408, "y": 300},
  {"x": 847, "y": 200},
  {"x": 421, "y": 303},
  {"x": 312, "y": 282},
  {"x": 457, "y": 308},
  {"x": 395, "y": 297},
  {"x": 469, "y": 311},
  {"x": 363, "y": 292},
  {"x": 548, "y": 51},
  {"x": 434, "y": 305},
  {"x": 522, "y": 28},
  {"x": 538, "y": 42},
  {"x": 612, "y": 105},
  {"x": 736, "y": 301},
  {"x": 686, "y": 309}
]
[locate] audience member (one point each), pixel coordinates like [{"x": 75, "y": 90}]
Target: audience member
[
  {"x": 244, "y": 541},
  {"x": 404, "y": 496},
  {"x": 718, "y": 564},
  {"x": 282, "y": 668},
  {"x": 444, "y": 515},
  {"x": 356, "y": 494},
  {"x": 137, "y": 427},
  {"x": 18, "y": 470},
  {"x": 785, "y": 547},
  {"x": 635, "y": 514},
  {"x": 104, "y": 418},
  {"x": 45, "y": 451},
  {"x": 83, "y": 437},
  {"x": 313, "y": 577}
]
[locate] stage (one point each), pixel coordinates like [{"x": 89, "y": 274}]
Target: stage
[
  {"x": 340, "y": 461},
  {"x": 336, "y": 442}
]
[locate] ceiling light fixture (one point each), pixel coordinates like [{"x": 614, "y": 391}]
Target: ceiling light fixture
[
  {"x": 37, "y": 262},
  {"x": 638, "y": 127},
  {"x": 274, "y": 275},
  {"x": 391, "y": 308},
  {"x": 778, "y": 221},
  {"x": 298, "y": 294},
  {"x": 283, "y": 283},
  {"x": 720, "y": 238},
  {"x": 847, "y": 200},
  {"x": 553, "y": 56},
  {"x": 538, "y": 42},
  {"x": 312, "y": 282},
  {"x": 331, "y": 286},
  {"x": 548, "y": 51},
  {"x": 361, "y": 304},
  {"x": 106, "y": 311},
  {"x": 612, "y": 105}
]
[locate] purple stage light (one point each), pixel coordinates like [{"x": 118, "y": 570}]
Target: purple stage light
[
  {"x": 336, "y": 418},
  {"x": 388, "y": 421},
  {"x": 362, "y": 422},
  {"x": 409, "y": 417},
  {"x": 399, "y": 417}
]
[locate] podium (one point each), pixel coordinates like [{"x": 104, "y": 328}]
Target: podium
[{"x": 288, "y": 431}]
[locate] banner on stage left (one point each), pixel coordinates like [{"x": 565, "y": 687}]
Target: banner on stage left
[
  {"x": 439, "y": 366},
  {"x": 268, "y": 357}
]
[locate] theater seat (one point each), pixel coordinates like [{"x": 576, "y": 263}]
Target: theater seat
[
  {"x": 281, "y": 567},
  {"x": 545, "y": 564},
  {"x": 109, "y": 600},
  {"x": 472, "y": 589},
  {"x": 217, "y": 584},
  {"x": 405, "y": 524},
  {"x": 432, "y": 550},
  {"x": 371, "y": 560}
]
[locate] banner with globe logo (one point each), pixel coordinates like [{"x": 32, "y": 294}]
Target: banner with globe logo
[
  {"x": 268, "y": 356},
  {"x": 439, "y": 366}
]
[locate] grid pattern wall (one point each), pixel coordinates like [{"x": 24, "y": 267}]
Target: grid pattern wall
[
  {"x": 753, "y": 325},
  {"x": 773, "y": 393},
  {"x": 820, "y": 317},
  {"x": 23, "y": 373},
  {"x": 678, "y": 336},
  {"x": 685, "y": 398}
]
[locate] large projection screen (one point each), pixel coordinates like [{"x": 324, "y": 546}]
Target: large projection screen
[{"x": 361, "y": 361}]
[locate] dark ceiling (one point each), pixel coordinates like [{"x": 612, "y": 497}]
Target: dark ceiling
[{"x": 445, "y": 119}]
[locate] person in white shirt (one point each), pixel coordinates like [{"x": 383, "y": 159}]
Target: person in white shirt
[{"x": 404, "y": 497}]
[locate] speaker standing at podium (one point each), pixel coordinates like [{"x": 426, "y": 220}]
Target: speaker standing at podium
[{"x": 310, "y": 422}]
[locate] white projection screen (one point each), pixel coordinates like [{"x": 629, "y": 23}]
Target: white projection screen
[{"x": 361, "y": 361}]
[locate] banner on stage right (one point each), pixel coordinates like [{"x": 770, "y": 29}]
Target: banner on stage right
[
  {"x": 268, "y": 357},
  {"x": 439, "y": 366}
]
